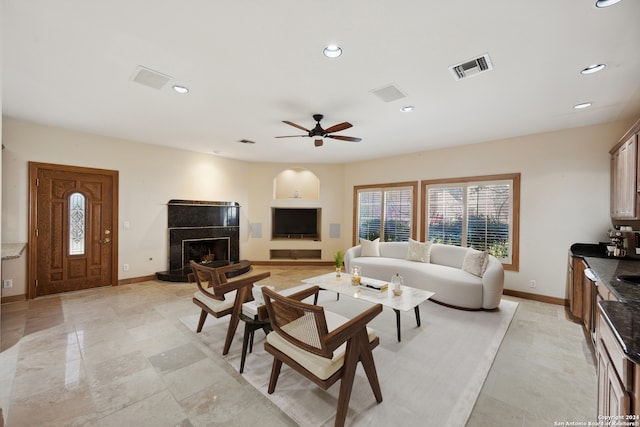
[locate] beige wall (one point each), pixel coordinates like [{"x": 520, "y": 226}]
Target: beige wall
[
  {"x": 149, "y": 177},
  {"x": 565, "y": 191},
  {"x": 261, "y": 195}
]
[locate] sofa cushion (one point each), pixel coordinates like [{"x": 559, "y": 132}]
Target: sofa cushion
[
  {"x": 449, "y": 255},
  {"x": 451, "y": 286},
  {"x": 475, "y": 262},
  {"x": 370, "y": 248},
  {"x": 419, "y": 251},
  {"x": 443, "y": 275}
]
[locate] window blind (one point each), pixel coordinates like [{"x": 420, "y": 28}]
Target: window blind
[
  {"x": 474, "y": 214},
  {"x": 385, "y": 213}
]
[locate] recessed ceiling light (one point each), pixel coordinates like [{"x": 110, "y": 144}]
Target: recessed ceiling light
[
  {"x": 594, "y": 68},
  {"x": 582, "y": 105},
  {"x": 606, "y": 3},
  {"x": 332, "y": 51},
  {"x": 407, "y": 108},
  {"x": 180, "y": 89}
]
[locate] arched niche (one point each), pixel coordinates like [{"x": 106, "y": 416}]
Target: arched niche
[{"x": 296, "y": 183}]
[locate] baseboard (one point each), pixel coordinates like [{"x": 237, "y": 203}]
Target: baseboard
[
  {"x": 13, "y": 298},
  {"x": 293, "y": 262},
  {"x": 23, "y": 297},
  {"x": 136, "y": 279},
  {"x": 536, "y": 297}
]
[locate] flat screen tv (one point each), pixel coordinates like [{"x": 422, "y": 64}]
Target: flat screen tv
[{"x": 295, "y": 223}]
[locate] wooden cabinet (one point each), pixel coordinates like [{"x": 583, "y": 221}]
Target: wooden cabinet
[
  {"x": 625, "y": 179},
  {"x": 603, "y": 293},
  {"x": 615, "y": 374},
  {"x": 574, "y": 282},
  {"x": 588, "y": 292}
]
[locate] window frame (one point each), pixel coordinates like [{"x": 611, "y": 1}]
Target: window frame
[
  {"x": 413, "y": 185},
  {"x": 515, "y": 209}
]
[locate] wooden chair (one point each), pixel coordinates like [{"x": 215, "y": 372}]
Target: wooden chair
[
  {"x": 321, "y": 345},
  {"x": 218, "y": 297}
]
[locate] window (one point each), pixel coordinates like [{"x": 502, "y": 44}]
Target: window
[
  {"x": 76, "y": 224},
  {"x": 387, "y": 211},
  {"x": 477, "y": 212}
]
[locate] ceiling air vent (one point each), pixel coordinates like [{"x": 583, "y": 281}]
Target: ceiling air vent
[
  {"x": 148, "y": 77},
  {"x": 389, "y": 93},
  {"x": 471, "y": 67}
]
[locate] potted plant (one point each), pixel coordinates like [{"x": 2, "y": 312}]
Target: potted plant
[{"x": 338, "y": 259}]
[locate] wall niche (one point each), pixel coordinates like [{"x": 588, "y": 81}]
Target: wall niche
[{"x": 296, "y": 183}]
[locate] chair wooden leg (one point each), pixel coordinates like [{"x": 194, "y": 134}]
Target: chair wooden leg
[
  {"x": 366, "y": 357},
  {"x": 241, "y": 298},
  {"x": 231, "y": 331},
  {"x": 203, "y": 317},
  {"x": 351, "y": 358},
  {"x": 275, "y": 373}
]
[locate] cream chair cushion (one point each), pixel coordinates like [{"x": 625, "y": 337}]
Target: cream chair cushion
[
  {"x": 319, "y": 366},
  {"x": 214, "y": 304}
]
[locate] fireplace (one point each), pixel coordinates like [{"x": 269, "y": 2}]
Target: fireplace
[
  {"x": 206, "y": 232},
  {"x": 206, "y": 251}
]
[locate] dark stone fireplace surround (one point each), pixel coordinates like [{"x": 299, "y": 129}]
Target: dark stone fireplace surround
[{"x": 208, "y": 232}]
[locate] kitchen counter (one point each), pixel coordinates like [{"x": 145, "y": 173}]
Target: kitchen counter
[
  {"x": 622, "y": 316},
  {"x": 598, "y": 250}
]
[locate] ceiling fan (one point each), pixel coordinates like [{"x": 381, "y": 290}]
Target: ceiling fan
[{"x": 317, "y": 131}]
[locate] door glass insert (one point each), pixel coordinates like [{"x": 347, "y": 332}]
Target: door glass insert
[{"x": 77, "y": 222}]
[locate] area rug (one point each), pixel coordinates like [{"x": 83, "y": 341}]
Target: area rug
[{"x": 431, "y": 378}]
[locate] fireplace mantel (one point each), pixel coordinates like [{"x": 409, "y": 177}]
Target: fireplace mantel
[{"x": 203, "y": 221}]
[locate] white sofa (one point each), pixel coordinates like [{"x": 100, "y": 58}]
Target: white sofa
[{"x": 442, "y": 275}]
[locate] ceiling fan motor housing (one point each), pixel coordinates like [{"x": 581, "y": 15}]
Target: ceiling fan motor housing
[{"x": 317, "y": 130}]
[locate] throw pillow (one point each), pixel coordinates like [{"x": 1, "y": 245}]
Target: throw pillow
[
  {"x": 475, "y": 262},
  {"x": 418, "y": 251},
  {"x": 370, "y": 248}
]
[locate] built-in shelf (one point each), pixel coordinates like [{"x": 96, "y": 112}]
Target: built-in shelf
[
  {"x": 295, "y": 254},
  {"x": 296, "y": 184}
]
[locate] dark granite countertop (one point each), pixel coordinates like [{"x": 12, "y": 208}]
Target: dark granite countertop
[
  {"x": 582, "y": 250},
  {"x": 624, "y": 320},
  {"x": 623, "y": 316}
]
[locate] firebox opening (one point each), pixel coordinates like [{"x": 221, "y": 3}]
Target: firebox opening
[{"x": 210, "y": 251}]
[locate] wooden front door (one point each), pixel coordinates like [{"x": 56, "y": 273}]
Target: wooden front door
[{"x": 73, "y": 242}]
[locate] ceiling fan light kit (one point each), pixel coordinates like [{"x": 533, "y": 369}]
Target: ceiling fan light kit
[{"x": 318, "y": 131}]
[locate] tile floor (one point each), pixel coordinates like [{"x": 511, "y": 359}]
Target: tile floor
[{"x": 121, "y": 357}]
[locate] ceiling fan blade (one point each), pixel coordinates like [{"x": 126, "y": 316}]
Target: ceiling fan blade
[
  {"x": 290, "y": 136},
  {"x": 318, "y": 142},
  {"x": 338, "y": 127},
  {"x": 295, "y": 125},
  {"x": 344, "y": 138}
]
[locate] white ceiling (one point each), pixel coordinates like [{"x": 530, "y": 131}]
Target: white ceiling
[{"x": 249, "y": 64}]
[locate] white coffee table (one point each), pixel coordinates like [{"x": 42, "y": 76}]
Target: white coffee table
[{"x": 411, "y": 298}]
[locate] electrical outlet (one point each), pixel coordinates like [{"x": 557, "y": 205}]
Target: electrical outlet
[
  {"x": 125, "y": 267},
  {"x": 532, "y": 284},
  {"x": 7, "y": 283}
]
